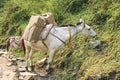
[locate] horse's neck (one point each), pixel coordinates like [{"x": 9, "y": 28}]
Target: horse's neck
[
  {"x": 75, "y": 30},
  {"x": 63, "y": 32}
]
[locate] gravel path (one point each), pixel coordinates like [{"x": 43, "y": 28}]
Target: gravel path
[
  {"x": 10, "y": 71},
  {"x": 6, "y": 72}
]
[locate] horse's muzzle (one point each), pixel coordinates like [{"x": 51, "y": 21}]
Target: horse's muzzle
[{"x": 95, "y": 36}]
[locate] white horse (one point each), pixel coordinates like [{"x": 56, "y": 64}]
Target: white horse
[
  {"x": 13, "y": 43},
  {"x": 56, "y": 37}
]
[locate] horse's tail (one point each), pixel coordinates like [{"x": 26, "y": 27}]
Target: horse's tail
[
  {"x": 8, "y": 44},
  {"x": 23, "y": 46}
]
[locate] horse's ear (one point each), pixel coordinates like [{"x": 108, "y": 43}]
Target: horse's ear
[{"x": 81, "y": 20}]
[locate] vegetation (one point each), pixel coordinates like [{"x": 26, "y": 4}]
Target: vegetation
[{"x": 81, "y": 62}]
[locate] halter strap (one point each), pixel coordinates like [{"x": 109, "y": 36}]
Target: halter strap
[
  {"x": 57, "y": 37},
  {"x": 46, "y": 37},
  {"x": 16, "y": 42},
  {"x": 69, "y": 43}
]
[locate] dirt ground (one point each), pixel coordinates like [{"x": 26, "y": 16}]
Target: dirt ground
[
  {"x": 6, "y": 72},
  {"x": 9, "y": 71}
]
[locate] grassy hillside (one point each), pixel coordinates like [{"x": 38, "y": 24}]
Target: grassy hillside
[{"x": 81, "y": 62}]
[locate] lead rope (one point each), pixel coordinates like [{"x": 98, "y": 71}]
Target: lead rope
[{"x": 69, "y": 43}]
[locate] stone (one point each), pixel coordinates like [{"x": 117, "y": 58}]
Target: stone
[
  {"x": 95, "y": 43},
  {"x": 14, "y": 59},
  {"x": 21, "y": 78},
  {"x": 15, "y": 69},
  {"x": 42, "y": 60},
  {"x": 8, "y": 75},
  {"x": 27, "y": 73},
  {"x": 9, "y": 64},
  {"x": 1, "y": 54},
  {"x": 21, "y": 69},
  {"x": 21, "y": 59},
  {"x": 1, "y": 73},
  {"x": 74, "y": 73}
]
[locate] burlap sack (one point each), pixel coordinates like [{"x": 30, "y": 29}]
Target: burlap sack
[
  {"x": 34, "y": 28},
  {"x": 49, "y": 18},
  {"x": 46, "y": 31}
]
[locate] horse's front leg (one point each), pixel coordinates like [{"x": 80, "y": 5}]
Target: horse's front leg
[
  {"x": 9, "y": 52},
  {"x": 50, "y": 59}
]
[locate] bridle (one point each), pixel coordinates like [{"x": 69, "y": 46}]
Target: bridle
[
  {"x": 69, "y": 30},
  {"x": 14, "y": 41}
]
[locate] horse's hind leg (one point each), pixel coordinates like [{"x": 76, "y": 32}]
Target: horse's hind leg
[
  {"x": 30, "y": 58},
  {"x": 27, "y": 57},
  {"x": 50, "y": 59}
]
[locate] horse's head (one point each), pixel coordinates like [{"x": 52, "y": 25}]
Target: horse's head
[
  {"x": 18, "y": 39},
  {"x": 85, "y": 29}
]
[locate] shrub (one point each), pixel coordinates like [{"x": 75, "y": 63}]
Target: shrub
[
  {"x": 76, "y": 5},
  {"x": 101, "y": 18},
  {"x": 19, "y": 16}
]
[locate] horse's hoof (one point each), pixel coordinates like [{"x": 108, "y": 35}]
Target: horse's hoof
[
  {"x": 49, "y": 71},
  {"x": 32, "y": 68},
  {"x": 26, "y": 68}
]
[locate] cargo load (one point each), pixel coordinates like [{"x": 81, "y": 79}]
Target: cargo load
[
  {"x": 36, "y": 25},
  {"x": 49, "y": 18},
  {"x": 33, "y": 29}
]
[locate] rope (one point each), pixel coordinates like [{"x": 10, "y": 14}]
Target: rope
[{"x": 70, "y": 42}]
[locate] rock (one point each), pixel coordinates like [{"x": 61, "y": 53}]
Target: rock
[
  {"x": 9, "y": 64},
  {"x": 21, "y": 59},
  {"x": 21, "y": 69},
  {"x": 4, "y": 55},
  {"x": 1, "y": 73},
  {"x": 95, "y": 43},
  {"x": 16, "y": 77},
  {"x": 14, "y": 59},
  {"x": 28, "y": 78},
  {"x": 8, "y": 75},
  {"x": 27, "y": 73},
  {"x": 94, "y": 77},
  {"x": 35, "y": 77},
  {"x": 42, "y": 60},
  {"x": 112, "y": 75},
  {"x": 14, "y": 63},
  {"x": 21, "y": 78},
  {"x": 74, "y": 73},
  {"x": 1, "y": 54},
  {"x": 15, "y": 69}
]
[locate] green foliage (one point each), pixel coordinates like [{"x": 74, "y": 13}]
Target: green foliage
[
  {"x": 19, "y": 16},
  {"x": 101, "y": 18},
  {"x": 76, "y": 5},
  {"x": 2, "y": 2},
  {"x": 18, "y": 53}
]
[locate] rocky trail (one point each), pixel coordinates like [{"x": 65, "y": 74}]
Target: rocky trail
[{"x": 14, "y": 69}]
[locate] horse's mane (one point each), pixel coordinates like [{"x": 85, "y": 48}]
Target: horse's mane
[
  {"x": 78, "y": 23},
  {"x": 64, "y": 25},
  {"x": 71, "y": 25}
]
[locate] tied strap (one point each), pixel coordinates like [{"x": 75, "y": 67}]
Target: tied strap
[{"x": 69, "y": 42}]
